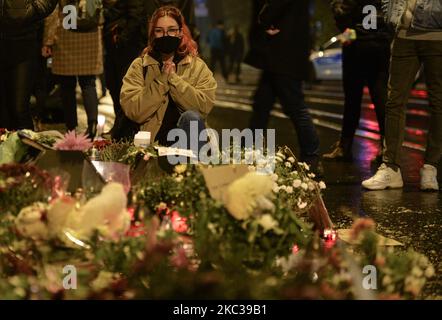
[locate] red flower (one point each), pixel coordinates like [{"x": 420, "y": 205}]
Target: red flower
[
  {"x": 101, "y": 144},
  {"x": 179, "y": 224}
]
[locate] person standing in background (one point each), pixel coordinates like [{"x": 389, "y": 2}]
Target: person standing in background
[
  {"x": 418, "y": 41},
  {"x": 18, "y": 42},
  {"x": 217, "y": 41},
  {"x": 77, "y": 55},
  {"x": 236, "y": 52},
  {"x": 123, "y": 22},
  {"x": 285, "y": 65},
  {"x": 365, "y": 61}
]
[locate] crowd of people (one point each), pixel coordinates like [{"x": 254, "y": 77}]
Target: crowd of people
[{"x": 167, "y": 85}]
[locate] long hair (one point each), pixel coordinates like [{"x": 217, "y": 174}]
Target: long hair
[{"x": 188, "y": 46}]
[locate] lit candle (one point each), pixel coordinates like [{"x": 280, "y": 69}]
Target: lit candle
[{"x": 100, "y": 127}]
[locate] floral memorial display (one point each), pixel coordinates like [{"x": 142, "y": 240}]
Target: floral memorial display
[{"x": 163, "y": 232}]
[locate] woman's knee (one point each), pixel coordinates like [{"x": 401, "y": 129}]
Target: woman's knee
[
  {"x": 188, "y": 117},
  {"x": 191, "y": 116}
]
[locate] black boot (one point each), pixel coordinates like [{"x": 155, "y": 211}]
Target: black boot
[
  {"x": 341, "y": 151},
  {"x": 91, "y": 131}
]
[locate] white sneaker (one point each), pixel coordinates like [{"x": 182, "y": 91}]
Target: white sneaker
[
  {"x": 429, "y": 178},
  {"x": 384, "y": 178}
]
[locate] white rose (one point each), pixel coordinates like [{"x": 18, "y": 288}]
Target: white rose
[
  {"x": 291, "y": 159},
  {"x": 302, "y": 205},
  {"x": 311, "y": 186},
  {"x": 267, "y": 222},
  {"x": 289, "y": 189},
  {"x": 322, "y": 185},
  {"x": 297, "y": 183},
  {"x": 423, "y": 261},
  {"x": 304, "y": 186},
  {"x": 429, "y": 272},
  {"x": 29, "y": 222},
  {"x": 275, "y": 177},
  {"x": 179, "y": 178},
  {"x": 416, "y": 271},
  {"x": 288, "y": 164}
]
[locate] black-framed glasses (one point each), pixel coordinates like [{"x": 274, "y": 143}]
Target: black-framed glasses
[{"x": 172, "y": 32}]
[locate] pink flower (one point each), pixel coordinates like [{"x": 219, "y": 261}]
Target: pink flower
[
  {"x": 73, "y": 142},
  {"x": 179, "y": 223},
  {"x": 180, "y": 260}
]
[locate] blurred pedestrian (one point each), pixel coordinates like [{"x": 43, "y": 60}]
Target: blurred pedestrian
[
  {"x": 418, "y": 41},
  {"x": 365, "y": 62},
  {"x": 169, "y": 86},
  {"x": 124, "y": 41},
  {"x": 18, "y": 44},
  {"x": 236, "y": 52},
  {"x": 217, "y": 41},
  {"x": 285, "y": 65},
  {"x": 77, "y": 56}
]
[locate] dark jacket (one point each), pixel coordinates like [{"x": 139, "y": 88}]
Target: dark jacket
[
  {"x": 350, "y": 14},
  {"x": 126, "y": 19},
  {"x": 288, "y": 51},
  {"x": 18, "y": 18}
]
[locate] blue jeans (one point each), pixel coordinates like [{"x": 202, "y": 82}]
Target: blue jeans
[
  {"x": 193, "y": 124},
  {"x": 289, "y": 92}
]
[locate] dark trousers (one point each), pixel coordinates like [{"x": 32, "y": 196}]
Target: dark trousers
[
  {"x": 218, "y": 55},
  {"x": 235, "y": 66},
  {"x": 364, "y": 65},
  {"x": 90, "y": 99},
  {"x": 16, "y": 81},
  {"x": 289, "y": 92},
  {"x": 117, "y": 62},
  {"x": 407, "y": 57}
]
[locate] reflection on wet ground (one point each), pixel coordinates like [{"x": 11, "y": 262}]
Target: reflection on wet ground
[{"x": 407, "y": 215}]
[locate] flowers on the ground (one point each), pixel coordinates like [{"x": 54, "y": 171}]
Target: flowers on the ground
[{"x": 255, "y": 243}]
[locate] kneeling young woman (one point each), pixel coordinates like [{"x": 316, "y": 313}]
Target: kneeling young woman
[{"x": 169, "y": 86}]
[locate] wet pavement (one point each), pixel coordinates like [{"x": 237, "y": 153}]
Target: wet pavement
[{"x": 407, "y": 215}]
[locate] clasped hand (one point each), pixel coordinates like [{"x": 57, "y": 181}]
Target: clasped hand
[{"x": 169, "y": 68}]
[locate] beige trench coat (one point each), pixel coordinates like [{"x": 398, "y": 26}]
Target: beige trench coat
[
  {"x": 73, "y": 53},
  {"x": 145, "y": 101}
]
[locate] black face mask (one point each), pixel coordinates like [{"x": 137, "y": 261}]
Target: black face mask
[{"x": 166, "y": 44}]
